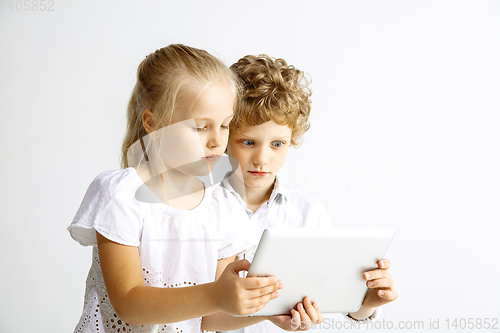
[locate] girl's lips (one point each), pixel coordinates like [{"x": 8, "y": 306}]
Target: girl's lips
[
  {"x": 212, "y": 158},
  {"x": 258, "y": 173}
]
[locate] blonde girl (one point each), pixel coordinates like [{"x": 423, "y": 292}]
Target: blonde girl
[{"x": 159, "y": 237}]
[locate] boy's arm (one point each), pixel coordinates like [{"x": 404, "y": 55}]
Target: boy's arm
[
  {"x": 222, "y": 321},
  {"x": 380, "y": 291}
]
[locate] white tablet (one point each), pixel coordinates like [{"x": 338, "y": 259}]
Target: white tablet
[{"x": 325, "y": 264}]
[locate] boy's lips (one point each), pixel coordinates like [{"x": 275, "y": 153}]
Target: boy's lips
[{"x": 259, "y": 173}]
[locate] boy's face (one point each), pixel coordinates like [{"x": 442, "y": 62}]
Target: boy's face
[{"x": 261, "y": 151}]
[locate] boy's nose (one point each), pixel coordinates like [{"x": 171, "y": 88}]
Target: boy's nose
[{"x": 260, "y": 157}]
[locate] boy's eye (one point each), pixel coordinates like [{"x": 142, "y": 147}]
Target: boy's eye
[
  {"x": 200, "y": 129},
  {"x": 247, "y": 142},
  {"x": 277, "y": 144},
  {"x": 225, "y": 126}
]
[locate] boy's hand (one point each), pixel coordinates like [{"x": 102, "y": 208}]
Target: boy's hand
[
  {"x": 243, "y": 296},
  {"x": 380, "y": 286},
  {"x": 302, "y": 318}
]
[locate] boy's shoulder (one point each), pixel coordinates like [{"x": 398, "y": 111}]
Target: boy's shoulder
[
  {"x": 298, "y": 197},
  {"x": 304, "y": 209}
]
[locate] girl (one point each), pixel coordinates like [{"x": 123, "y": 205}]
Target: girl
[
  {"x": 153, "y": 226},
  {"x": 270, "y": 117}
]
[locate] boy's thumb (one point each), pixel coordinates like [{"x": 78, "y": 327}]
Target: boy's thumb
[{"x": 240, "y": 265}]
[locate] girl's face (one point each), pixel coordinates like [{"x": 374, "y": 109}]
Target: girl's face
[
  {"x": 261, "y": 151},
  {"x": 199, "y": 131}
]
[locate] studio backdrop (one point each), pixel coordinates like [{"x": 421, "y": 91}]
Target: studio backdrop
[{"x": 404, "y": 134}]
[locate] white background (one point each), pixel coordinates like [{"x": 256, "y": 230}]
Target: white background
[{"x": 404, "y": 134}]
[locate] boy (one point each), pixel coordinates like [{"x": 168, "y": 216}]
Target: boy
[{"x": 270, "y": 117}]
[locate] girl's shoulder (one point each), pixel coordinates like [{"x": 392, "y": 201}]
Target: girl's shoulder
[
  {"x": 116, "y": 179},
  {"x": 119, "y": 183},
  {"x": 109, "y": 207}
]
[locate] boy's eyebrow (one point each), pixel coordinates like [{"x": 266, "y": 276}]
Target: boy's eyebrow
[{"x": 285, "y": 137}]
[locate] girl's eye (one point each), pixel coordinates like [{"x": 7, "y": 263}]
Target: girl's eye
[
  {"x": 225, "y": 127},
  {"x": 247, "y": 142},
  {"x": 200, "y": 129},
  {"x": 277, "y": 144}
]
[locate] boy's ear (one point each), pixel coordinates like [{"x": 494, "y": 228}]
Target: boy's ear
[{"x": 148, "y": 121}]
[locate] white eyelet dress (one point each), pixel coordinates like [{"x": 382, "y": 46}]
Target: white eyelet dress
[{"x": 177, "y": 248}]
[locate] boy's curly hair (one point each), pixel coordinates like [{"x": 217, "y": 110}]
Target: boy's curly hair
[{"x": 272, "y": 90}]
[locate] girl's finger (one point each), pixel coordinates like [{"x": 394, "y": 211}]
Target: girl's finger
[
  {"x": 380, "y": 283},
  {"x": 389, "y": 295},
  {"x": 261, "y": 300},
  {"x": 258, "y": 282},
  {"x": 265, "y": 290},
  {"x": 253, "y": 309}
]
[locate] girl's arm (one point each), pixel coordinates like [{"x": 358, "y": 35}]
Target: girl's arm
[
  {"x": 224, "y": 322},
  {"x": 137, "y": 304}
]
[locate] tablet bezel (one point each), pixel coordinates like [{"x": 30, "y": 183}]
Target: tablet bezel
[{"x": 307, "y": 262}]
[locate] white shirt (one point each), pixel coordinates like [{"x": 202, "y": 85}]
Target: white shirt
[
  {"x": 286, "y": 207},
  {"x": 177, "y": 248}
]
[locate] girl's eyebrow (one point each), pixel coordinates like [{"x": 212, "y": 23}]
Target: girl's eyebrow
[{"x": 209, "y": 119}]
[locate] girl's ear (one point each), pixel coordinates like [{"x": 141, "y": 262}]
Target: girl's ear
[{"x": 148, "y": 121}]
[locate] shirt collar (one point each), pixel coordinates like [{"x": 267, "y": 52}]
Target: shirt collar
[
  {"x": 225, "y": 184},
  {"x": 277, "y": 193}
]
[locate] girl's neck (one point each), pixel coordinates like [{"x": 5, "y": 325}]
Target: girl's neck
[
  {"x": 177, "y": 190},
  {"x": 182, "y": 191}
]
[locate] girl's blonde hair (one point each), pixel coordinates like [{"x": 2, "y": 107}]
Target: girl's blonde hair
[
  {"x": 272, "y": 90},
  {"x": 162, "y": 78}
]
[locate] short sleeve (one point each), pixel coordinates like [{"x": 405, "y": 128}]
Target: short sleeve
[
  {"x": 110, "y": 207},
  {"x": 235, "y": 234}
]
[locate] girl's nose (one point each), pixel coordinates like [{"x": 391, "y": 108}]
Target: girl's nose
[{"x": 215, "y": 139}]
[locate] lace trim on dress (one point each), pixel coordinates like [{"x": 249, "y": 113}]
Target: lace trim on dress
[{"x": 99, "y": 315}]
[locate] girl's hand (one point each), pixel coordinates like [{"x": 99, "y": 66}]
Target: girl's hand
[
  {"x": 380, "y": 286},
  {"x": 302, "y": 318},
  {"x": 243, "y": 296}
]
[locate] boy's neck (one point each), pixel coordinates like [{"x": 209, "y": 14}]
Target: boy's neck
[{"x": 255, "y": 197}]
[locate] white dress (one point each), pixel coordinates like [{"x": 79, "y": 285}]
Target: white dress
[{"x": 177, "y": 248}]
